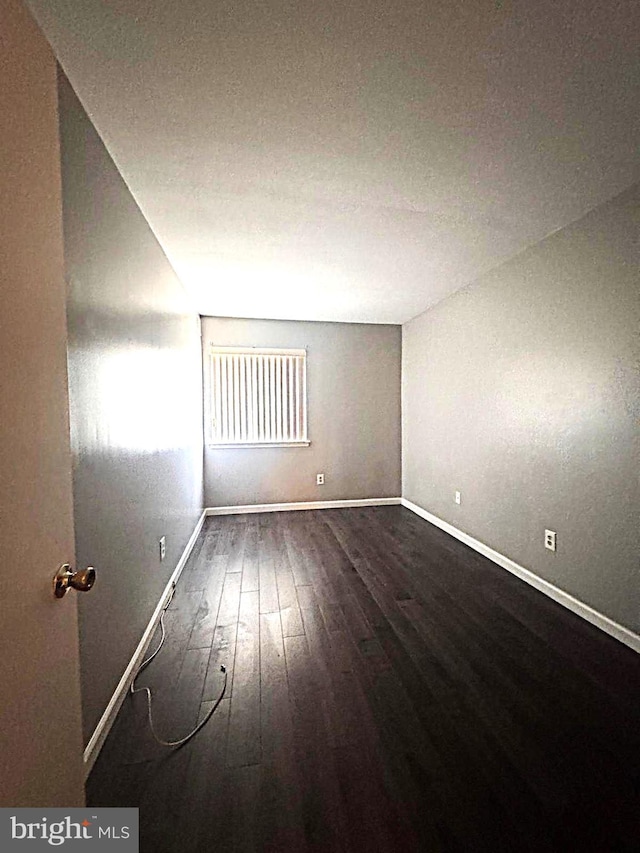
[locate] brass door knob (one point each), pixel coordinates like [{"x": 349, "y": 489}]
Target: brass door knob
[{"x": 81, "y": 580}]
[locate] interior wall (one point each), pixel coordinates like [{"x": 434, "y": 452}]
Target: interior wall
[
  {"x": 136, "y": 406},
  {"x": 353, "y": 389},
  {"x": 523, "y": 393}
]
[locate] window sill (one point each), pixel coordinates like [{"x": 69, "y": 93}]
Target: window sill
[{"x": 252, "y": 444}]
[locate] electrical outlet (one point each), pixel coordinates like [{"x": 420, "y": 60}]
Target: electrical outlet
[
  {"x": 457, "y": 497},
  {"x": 319, "y": 479},
  {"x": 163, "y": 548},
  {"x": 550, "y": 539}
]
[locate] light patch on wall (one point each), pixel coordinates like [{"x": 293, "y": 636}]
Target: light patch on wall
[{"x": 143, "y": 395}]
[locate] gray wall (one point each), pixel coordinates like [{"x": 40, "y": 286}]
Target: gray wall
[
  {"x": 136, "y": 414},
  {"x": 522, "y": 392},
  {"x": 353, "y": 381}
]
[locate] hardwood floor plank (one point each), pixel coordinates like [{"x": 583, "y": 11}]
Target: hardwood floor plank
[
  {"x": 281, "y": 817},
  {"x": 160, "y": 807},
  {"x": 323, "y": 814},
  {"x": 206, "y": 618},
  {"x": 250, "y": 573},
  {"x": 288, "y": 604},
  {"x": 230, "y": 601},
  {"x": 244, "y": 742},
  {"x": 345, "y": 707},
  {"x": 294, "y": 541},
  {"x": 274, "y": 690},
  {"x": 175, "y": 714},
  {"x": 244, "y": 784},
  {"x": 198, "y": 579},
  {"x": 237, "y": 543},
  {"x": 203, "y": 820},
  {"x": 267, "y": 573},
  {"x": 163, "y": 673},
  {"x": 222, "y": 653}
]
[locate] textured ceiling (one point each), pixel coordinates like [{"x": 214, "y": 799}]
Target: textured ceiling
[{"x": 355, "y": 160}]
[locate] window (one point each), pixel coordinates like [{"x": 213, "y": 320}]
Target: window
[{"x": 257, "y": 397}]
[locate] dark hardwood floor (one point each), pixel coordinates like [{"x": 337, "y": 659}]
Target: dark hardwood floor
[{"x": 389, "y": 689}]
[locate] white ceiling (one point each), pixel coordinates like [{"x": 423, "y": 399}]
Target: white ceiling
[{"x": 355, "y": 160}]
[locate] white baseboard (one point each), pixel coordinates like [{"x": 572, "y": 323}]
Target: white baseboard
[
  {"x": 614, "y": 629},
  {"x": 103, "y": 728},
  {"x": 289, "y": 507}
]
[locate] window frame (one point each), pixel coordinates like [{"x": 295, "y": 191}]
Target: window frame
[{"x": 211, "y": 405}]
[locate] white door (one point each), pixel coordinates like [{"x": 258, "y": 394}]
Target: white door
[{"x": 40, "y": 718}]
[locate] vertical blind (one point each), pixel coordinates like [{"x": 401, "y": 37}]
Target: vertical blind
[{"x": 258, "y": 396}]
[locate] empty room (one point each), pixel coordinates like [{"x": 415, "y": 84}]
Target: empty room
[{"x": 319, "y": 471}]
